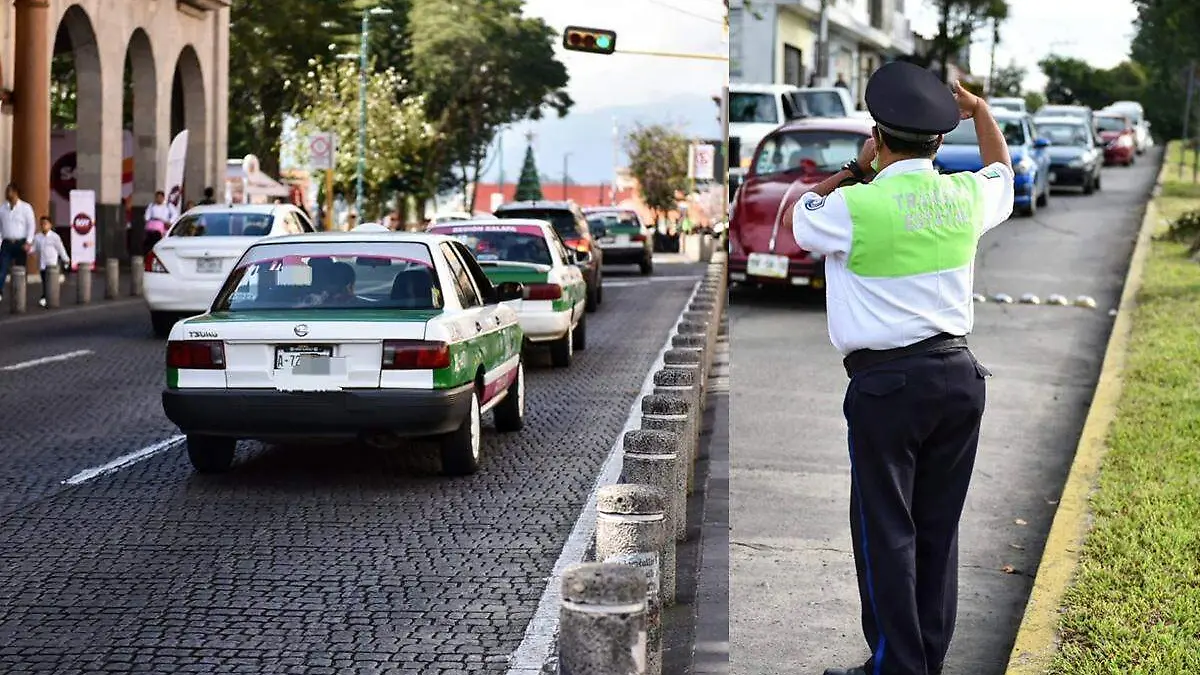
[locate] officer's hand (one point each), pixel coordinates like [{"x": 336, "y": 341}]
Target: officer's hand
[
  {"x": 968, "y": 103},
  {"x": 867, "y": 155}
]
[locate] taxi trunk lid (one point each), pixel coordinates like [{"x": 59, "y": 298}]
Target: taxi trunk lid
[{"x": 256, "y": 342}]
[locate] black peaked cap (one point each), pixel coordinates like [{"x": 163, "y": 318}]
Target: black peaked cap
[{"x": 906, "y": 97}]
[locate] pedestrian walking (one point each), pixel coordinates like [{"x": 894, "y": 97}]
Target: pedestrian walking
[
  {"x": 209, "y": 197},
  {"x": 841, "y": 82},
  {"x": 159, "y": 217},
  {"x": 899, "y": 241},
  {"x": 17, "y": 229},
  {"x": 51, "y": 253}
]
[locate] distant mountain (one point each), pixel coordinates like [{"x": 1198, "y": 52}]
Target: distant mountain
[{"x": 588, "y": 137}]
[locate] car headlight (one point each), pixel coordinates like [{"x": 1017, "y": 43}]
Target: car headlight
[
  {"x": 1125, "y": 141},
  {"x": 1076, "y": 163},
  {"x": 1024, "y": 166}
]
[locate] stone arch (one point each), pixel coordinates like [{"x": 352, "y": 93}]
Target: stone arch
[
  {"x": 76, "y": 35},
  {"x": 140, "y": 114},
  {"x": 189, "y": 110}
]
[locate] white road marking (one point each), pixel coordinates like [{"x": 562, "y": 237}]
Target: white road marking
[
  {"x": 534, "y": 649},
  {"x": 122, "y": 462},
  {"x": 46, "y": 359}
]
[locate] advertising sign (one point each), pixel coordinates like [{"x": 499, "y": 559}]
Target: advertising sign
[
  {"x": 702, "y": 164},
  {"x": 83, "y": 227},
  {"x": 173, "y": 180},
  {"x": 321, "y": 151},
  {"x": 63, "y": 158}
]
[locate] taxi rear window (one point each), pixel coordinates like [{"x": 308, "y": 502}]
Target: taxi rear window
[
  {"x": 222, "y": 225},
  {"x": 391, "y": 275},
  {"x": 522, "y": 244}
]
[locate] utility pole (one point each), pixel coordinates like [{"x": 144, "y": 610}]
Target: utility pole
[
  {"x": 500, "y": 158},
  {"x": 991, "y": 88},
  {"x": 566, "y": 156},
  {"x": 823, "y": 46},
  {"x": 616, "y": 159},
  {"x": 1187, "y": 114}
]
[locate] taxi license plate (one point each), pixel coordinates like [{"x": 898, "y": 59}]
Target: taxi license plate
[
  {"x": 764, "y": 265},
  {"x": 605, "y": 241},
  {"x": 208, "y": 266},
  {"x": 305, "y": 359},
  {"x": 622, "y": 240}
]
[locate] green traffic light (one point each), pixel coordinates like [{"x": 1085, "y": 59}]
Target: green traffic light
[{"x": 603, "y": 41}]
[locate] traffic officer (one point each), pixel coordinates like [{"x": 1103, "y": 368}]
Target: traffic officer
[{"x": 899, "y": 241}]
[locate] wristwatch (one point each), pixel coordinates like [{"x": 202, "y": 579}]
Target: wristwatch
[{"x": 855, "y": 170}]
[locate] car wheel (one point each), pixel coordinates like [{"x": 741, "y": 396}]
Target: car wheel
[
  {"x": 1097, "y": 182},
  {"x": 510, "y": 414},
  {"x": 462, "y": 449},
  {"x": 1089, "y": 187},
  {"x": 579, "y": 341},
  {"x": 599, "y": 287},
  {"x": 562, "y": 350},
  {"x": 647, "y": 267},
  {"x": 1030, "y": 210},
  {"x": 211, "y": 454},
  {"x": 1044, "y": 198},
  {"x": 162, "y": 323}
]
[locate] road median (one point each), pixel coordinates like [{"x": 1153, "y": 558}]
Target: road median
[{"x": 1118, "y": 587}]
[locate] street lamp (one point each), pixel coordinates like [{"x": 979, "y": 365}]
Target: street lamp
[{"x": 364, "y": 44}]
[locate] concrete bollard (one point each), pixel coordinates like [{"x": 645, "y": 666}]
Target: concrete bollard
[
  {"x": 655, "y": 458},
  {"x": 674, "y": 414},
  {"x": 83, "y": 289},
  {"x": 112, "y": 278},
  {"x": 54, "y": 289},
  {"x": 649, "y": 564},
  {"x": 137, "y": 275},
  {"x": 602, "y": 622},
  {"x": 20, "y": 289},
  {"x": 631, "y": 518},
  {"x": 695, "y": 361},
  {"x": 678, "y": 382}
]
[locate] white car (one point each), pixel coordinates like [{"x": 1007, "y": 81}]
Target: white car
[{"x": 186, "y": 268}]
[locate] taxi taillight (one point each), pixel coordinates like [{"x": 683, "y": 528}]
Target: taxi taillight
[
  {"x": 543, "y": 291},
  {"x": 152, "y": 264},
  {"x": 196, "y": 355},
  {"x": 639, "y": 238},
  {"x": 415, "y": 355},
  {"x": 578, "y": 244}
]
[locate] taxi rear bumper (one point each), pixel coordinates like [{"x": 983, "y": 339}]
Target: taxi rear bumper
[
  {"x": 544, "y": 326},
  {"x": 268, "y": 414}
]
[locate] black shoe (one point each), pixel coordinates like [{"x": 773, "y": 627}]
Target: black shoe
[{"x": 856, "y": 670}]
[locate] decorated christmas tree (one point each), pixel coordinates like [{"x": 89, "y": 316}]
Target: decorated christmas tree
[{"x": 529, "y": 187}]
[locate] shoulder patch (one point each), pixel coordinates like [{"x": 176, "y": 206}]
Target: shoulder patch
[
  {"x": 991, "y": 173},
  {"x": 814, "y": 203}
]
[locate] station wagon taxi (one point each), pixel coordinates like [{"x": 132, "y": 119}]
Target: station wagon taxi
[
  {"x": 529, "y": 252},
  {"x": 367, "y": 335}
]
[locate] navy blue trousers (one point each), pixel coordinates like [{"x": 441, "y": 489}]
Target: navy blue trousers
[{"x": 914, "y": 431}]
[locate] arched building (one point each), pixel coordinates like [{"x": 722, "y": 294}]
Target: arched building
[{"x": 142, "y": 71}]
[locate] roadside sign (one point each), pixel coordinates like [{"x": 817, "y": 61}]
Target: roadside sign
[
  {"x": 702, "y": 162},
  {"x": 321, "y": 150},
  {"x": 83, "y": 227}
]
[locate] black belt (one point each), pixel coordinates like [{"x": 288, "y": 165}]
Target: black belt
[{"x": 862, "y": 359}]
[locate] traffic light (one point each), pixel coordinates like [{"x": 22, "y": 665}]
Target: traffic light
[{"x": 591, "y": 40}]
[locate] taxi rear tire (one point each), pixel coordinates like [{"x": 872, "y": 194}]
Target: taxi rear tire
[
  {"x": 647, "y": 267},
  {"x": 562, "y": 350},
  {"x": 211, "y": 454},
  {"x": 580, "y": 336},
  {"x": 162, "y": 323},
  {"x": 462, "y": 449},
  {"x": 510, "y": 413}
]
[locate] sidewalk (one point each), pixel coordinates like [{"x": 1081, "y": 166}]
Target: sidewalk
[
  {"x": 69, "y": 295},
  {"x": 711, "y": 651}
]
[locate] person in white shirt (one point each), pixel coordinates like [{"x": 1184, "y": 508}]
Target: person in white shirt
[
  {"x": 17, "y": 227},
  {"x": 159, "y": 216},
  {"x": 50, "y": 252}
]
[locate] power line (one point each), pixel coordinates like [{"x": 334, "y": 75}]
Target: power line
[{"x": 690, "y": 13}]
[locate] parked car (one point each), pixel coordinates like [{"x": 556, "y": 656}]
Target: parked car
[
  {"x": 1030, "y": 159},
  {"x": 761, "y": 250},
  {"x": 1119, "y": 136},
  {"x": 1075, "y": 157},
  {"x": 1079, "y": 112},
  {"x": 623, "y": 237},
  {"x": 368, "y": 335},
  {"x": 1137, "y": 116},
  {"x": 185, "y": 268},
  {"x": 570, "y": 224},
  {"x": 529, "y": 252},
  {"x": 1011, "y": 104},
  {"x": 756, "y": 110}
]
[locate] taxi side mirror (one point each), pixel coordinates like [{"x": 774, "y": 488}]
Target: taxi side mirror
[{"x": 509, "y": 290}]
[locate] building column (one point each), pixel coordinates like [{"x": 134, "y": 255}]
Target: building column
[{"x": 31, "y": 114}]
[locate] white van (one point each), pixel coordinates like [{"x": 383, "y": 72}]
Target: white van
[
  {"x": 1016, "y": 105},
  {"x": 1137, "y": 116},
  {"x": 756, "y": 110}
]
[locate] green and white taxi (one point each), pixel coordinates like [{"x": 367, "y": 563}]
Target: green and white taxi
[
  {"x": 622, "y": 236},
  {"x": 530, "y": 252},
  {"x": 367, "y": 335}
]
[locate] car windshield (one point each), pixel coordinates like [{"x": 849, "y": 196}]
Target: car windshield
[
  {"x": 563, "y": 220},
  {"x": 1014, "y": 106},
  {"x": 964, "y": 133},
  {"x": 1050, "y": 111},
  {"x": 610, "y": 219},
  {"x": 503, "y": 243},
  {"x": 820, "y": 151},
  {"x": 1111, "y": 124},
  {"x": 1065, "y": 134},
  {"x": 747, "y": 108},
  {"x": 342, "y": 275},
  {"x": 822, "y": 103},
  {"x": 222, "y": 224}
]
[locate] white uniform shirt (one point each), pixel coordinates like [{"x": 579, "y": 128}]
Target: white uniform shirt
[
  {"x": 872, "y": 313},
  {"x": 164, "y": 212},
  {"x": 17, "y": 222},
  {"x": 50, "y": 250}
]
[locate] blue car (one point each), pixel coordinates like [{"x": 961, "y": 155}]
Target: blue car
[{"x": 1030, "y": 158}]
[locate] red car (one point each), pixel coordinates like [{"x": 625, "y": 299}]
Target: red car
[
  {"x": 1120, "y": 139},
  {"x": 786, "y": 164}
]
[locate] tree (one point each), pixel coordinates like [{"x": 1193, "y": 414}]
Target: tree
[
  {"x": 1007, "y": 80},
  {"x": 1034, "y": 100},
  {"x": 1074, "y": 81},
  {"x": 529, "y": 187},
  {"x": 1161, "y": 48},
  {"x": 271, "y": 43},
  {"x": 482, "y": 66},
  {"x": 957, "y": 22},
  {"x": 399, "y": 138},
  {"x": 658, "y": 159}
]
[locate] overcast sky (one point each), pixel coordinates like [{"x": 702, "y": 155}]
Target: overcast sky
[
  {"x": 1096, "y": 31},
  {"x": 693, "y": 26}
]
